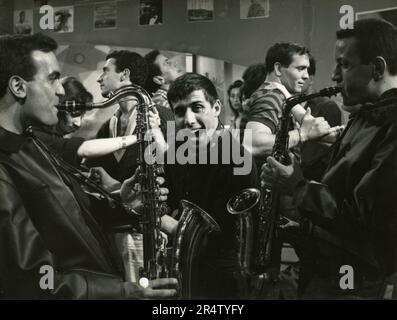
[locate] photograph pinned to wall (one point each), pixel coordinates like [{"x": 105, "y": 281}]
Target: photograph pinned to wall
[
  {"x": 253, "y": 9},
  {"x": 105, "y": 16},
  {"x": 151, "y": 12},
  {"x": 200, "y": 10},
  {"x": 23, "y": 21},
  {"x": 63, "y": 19},
  {"x": 39, "y": 3},
  {"x": 388, "y": 14}
]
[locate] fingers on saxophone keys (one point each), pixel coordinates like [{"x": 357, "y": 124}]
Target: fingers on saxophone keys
[
  {"x": 267, "y": 175},
  {"x": 336, "y": 129},
  {"x": 160, "y": 180},
  {"x": 163, "y": 283},
  {"x": 162, "y": 194}
]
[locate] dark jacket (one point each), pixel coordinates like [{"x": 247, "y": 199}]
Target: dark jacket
[
  {"x": 352, "y": 214},
  {"x": 46, "y": 219}
]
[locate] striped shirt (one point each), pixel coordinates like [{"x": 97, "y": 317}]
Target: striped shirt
[
  {"x": 160, "y": 98},
  {"x": 265, "y": 106}
]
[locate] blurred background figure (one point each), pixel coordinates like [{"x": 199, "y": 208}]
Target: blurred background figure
[
  {"x": 235, "y": 104},
  {"x": 62, "y": 23},
  {"x": 23, "y": 26},
  {"x": 74, "y": 91},
  {"x": 234, "y": 97},
  {"x": 316, "y": 154},
  {"x": 253, "y": 77},
  {"x": 255, "y": 9}
]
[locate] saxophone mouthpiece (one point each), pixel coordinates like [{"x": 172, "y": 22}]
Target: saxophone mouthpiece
[{"x": 331, "y": 91}]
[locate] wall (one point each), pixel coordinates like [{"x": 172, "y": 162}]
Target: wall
[
  {"x": 240, "y": 42},
  {"x": 6, "y": 16}
]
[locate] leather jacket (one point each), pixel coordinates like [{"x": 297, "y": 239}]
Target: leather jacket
[
  {"x": 47, "y": 220},
  {"x": 352, "y": 213}
]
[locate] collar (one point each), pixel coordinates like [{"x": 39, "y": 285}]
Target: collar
[
  {"x": 11, "y": 142},
  {"x": 385, "y": 109},
  {"x": 391, "y": 93}
]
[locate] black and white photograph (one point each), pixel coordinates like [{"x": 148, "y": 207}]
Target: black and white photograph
[
  {"x": 64, "y": 19},
  {"x": 200, "y": 10},
  {"x": 251, "y": 9},
  {"x": 105, "y": 15},
  {"x": 23, "y": 21},
  {"x": 214, "y": 169},
  {"x": 151, "y": 12}
]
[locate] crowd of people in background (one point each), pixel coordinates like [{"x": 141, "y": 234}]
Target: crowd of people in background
[{"x": 63, "y": 199}]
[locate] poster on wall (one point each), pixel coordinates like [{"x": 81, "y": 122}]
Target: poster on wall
[
  {"x": 64, "y": 19},
  {"x": 253, "y": 9},
  {"x": 200, "y": 10},
  {"x": 388, "y": 14},
  {"x": 105, "y": 16},
  {"x": 151, "y": 12},
  {"x": 23, "y": 21},
  {"x": 39, "y": 3}
]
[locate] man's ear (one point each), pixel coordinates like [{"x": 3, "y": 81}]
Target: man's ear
[
  {"x": 159, "y": 80},
  {"x": 125, "y": 75},
  {"x": 17, "y": 87},
  {"x": 217, "y": 107},
  {"x": 277, "y": 69},
  {"x": 379, "y": 66}
]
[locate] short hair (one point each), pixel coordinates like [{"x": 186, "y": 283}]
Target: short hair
[
  {"x": 312, "y": 68},
  {"x": 253, "y": 77},
  {"x": 16, "y": 59},
  {"x": 75, "y": 91},
  {"x": 153, "y": 70},
  {"x": 189, "y": 82},
  {"x": 283, "y": 52},
  {"x": 375, "y": 37},
  {"x": 132, "y": 61}
]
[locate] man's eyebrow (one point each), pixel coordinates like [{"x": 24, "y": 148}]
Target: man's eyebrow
[{"x": 54, "y": 75}]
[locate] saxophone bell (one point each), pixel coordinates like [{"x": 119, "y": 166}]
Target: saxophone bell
[
  {"x": 243, "y": 204},
  {"x": 244, "y": 201}
]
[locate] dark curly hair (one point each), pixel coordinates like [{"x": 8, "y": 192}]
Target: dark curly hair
[
  {"x": 153, "y": 70},
  {"x": 15, "y": 56},
  {"x": 253, "y": 77},
  {"x": 75, "y": 91},
  {"x": 132, "y": 61},
  {"x": 189, "y": 82},
  {"x": 282, "y": 52}
]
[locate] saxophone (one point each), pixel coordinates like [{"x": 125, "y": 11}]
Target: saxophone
[
  {"x": 181, "y": 261},
  {"x": 113, "y": 97},
  {"x": 159, "y": 261},
  {"x": 263, "y": 257}
]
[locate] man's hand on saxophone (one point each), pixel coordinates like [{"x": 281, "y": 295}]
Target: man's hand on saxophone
[
  {"x": 281, "y": 177},
  {"x": 130, "y": 191},
  {"x": 156, "y": 289}
]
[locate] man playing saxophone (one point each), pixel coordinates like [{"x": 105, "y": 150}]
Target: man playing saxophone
[
  {"x": 350, "y": 217},
  {"x": 46, "y": 219},
  {"x": 208, "y": 184}
]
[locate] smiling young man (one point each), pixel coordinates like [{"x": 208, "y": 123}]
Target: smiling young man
[
  {"x": 209, "y": 185},
  {"x": 351, "y": 216},
  {"x": 47, "y": 222},
  {"x": 286, "y": 66}
]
